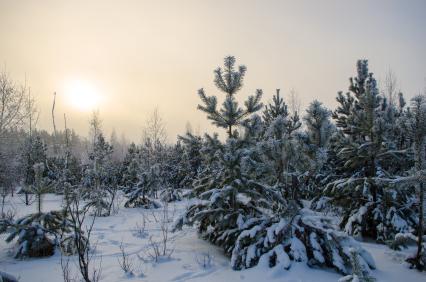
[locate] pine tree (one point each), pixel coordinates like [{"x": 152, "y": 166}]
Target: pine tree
[
  {"x": 99, "y": 176},
  {"x": 364, "y": 154},
  {"x": 318, "y": 125},
  {"x": 130, "y": 167},
  {"x": 244, "y": 205},
  {"x": 419, "y": 130},
  {"x": 192, "y": 160},
  {"x": 229, "y": 81},
  {"x": 275, "y": 109},
  {"x": 41, "y": 184},
  {"x": 315, "y": 145},
  {"x": 416, "y": 126},
  {"x": 35, "y": 151}
]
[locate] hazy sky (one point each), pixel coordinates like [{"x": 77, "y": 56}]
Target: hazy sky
[{"x": 136, "y": 55}]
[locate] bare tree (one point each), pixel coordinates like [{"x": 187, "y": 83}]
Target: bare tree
[
  {"x": 16, "y": 104},
  {"x": 390, "y": 86},
  {"x": 78, "y": 212},
  {"x": 294, "y": 101},
  {"x": 155, "y": 129},
  {"x": 95, "y": 126}
]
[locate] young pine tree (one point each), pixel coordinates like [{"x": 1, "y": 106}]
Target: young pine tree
[
  {"x": 229, "y": 81},
  {"x": 364, "y": 156}
]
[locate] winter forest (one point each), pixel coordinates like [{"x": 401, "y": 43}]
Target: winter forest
[
  {"x": 273, "y": 190},
  {"x": 283, "y": 188}
]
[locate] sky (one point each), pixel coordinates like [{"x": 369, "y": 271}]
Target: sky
[{"x": 125, "y": 58}]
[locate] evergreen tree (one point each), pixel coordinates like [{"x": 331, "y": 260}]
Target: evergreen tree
[
  {"x": 35, "y": 151},
  {"x": 229, "y": 81},
  {"x": 240, "y": 208},
  {"x": 192, "y": 159},
  {"x": 419, "y": 137},
  {"x": 130, "y": 167},
  {"x": 364, "y": 154},
  {"x": 100, "y": 176},
  {"x": 315, "y": 145},
  {"x": 275, "y": 109}
]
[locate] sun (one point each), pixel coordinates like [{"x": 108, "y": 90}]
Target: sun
[{"x": 82, "y": 95}]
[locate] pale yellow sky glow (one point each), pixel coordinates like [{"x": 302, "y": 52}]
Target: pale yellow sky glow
[{"x": 124, "y": 58}]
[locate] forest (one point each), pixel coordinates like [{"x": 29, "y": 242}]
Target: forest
[{"x": 279, "y": 186}]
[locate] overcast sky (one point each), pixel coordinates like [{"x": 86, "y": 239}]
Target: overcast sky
[{"x": 136, "y": 55}]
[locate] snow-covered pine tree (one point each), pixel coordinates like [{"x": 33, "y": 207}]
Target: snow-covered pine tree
[
  {"x": 138, "y": 195},
  {"x": 98, "y": 176},
  {"x": 419, "y": 138},
  {"x": 41, "y": 184},
  {"x": 275, "y": 109},
  {"x": 318, "y": 132},
  {"x": 364, "y": 154},
  {"x": 192, "y": 159},
  {"x": 318, "y": 125},
  {"x": 360, "y": 273},
  {"x": 34, "y": 151},
  {"x": 249, "y": 218},
  {"x": 229, "y": 81},
  {"x": 281, "y": 157},
  {"x": 174, "y": 173},
  {"x": 278, "y": 108},
  {"x": 416, "y": 125},
  {"x": 130, "y": 167}
]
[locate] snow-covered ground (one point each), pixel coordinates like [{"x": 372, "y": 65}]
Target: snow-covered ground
[{"x": 185, "y": 261}]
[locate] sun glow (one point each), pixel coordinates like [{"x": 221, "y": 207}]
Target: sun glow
[{"x": 82, "y": 95}]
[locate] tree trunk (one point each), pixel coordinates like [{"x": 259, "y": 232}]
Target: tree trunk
[{"x": 229, "y": 131}]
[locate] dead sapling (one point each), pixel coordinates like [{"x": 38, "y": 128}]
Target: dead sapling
[{"x": 126, "y": 262}]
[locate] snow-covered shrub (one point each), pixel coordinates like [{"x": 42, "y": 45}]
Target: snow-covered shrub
[
  {"x": 306, "y": 237},
  {"x": 360, "y": 272},
  {"x": 137, "y": 196},
  {"x": 36, "y": 234},
  {"x": 137, "y": 201},
  {"x": 6, "y": 277},
  {"x": 402, "y": 240},
  {"x": 171, "y": 195}
]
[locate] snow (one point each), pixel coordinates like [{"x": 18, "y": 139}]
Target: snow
[{"x": 183, "y": 265}]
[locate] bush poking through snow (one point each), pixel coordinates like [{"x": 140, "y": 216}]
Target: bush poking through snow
[
  {"x": 140, "y": 228},
  {"x": 204, "y": 260},
  {"x": 126, "y": 263},
  {"x": 162, "y": 247}
]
